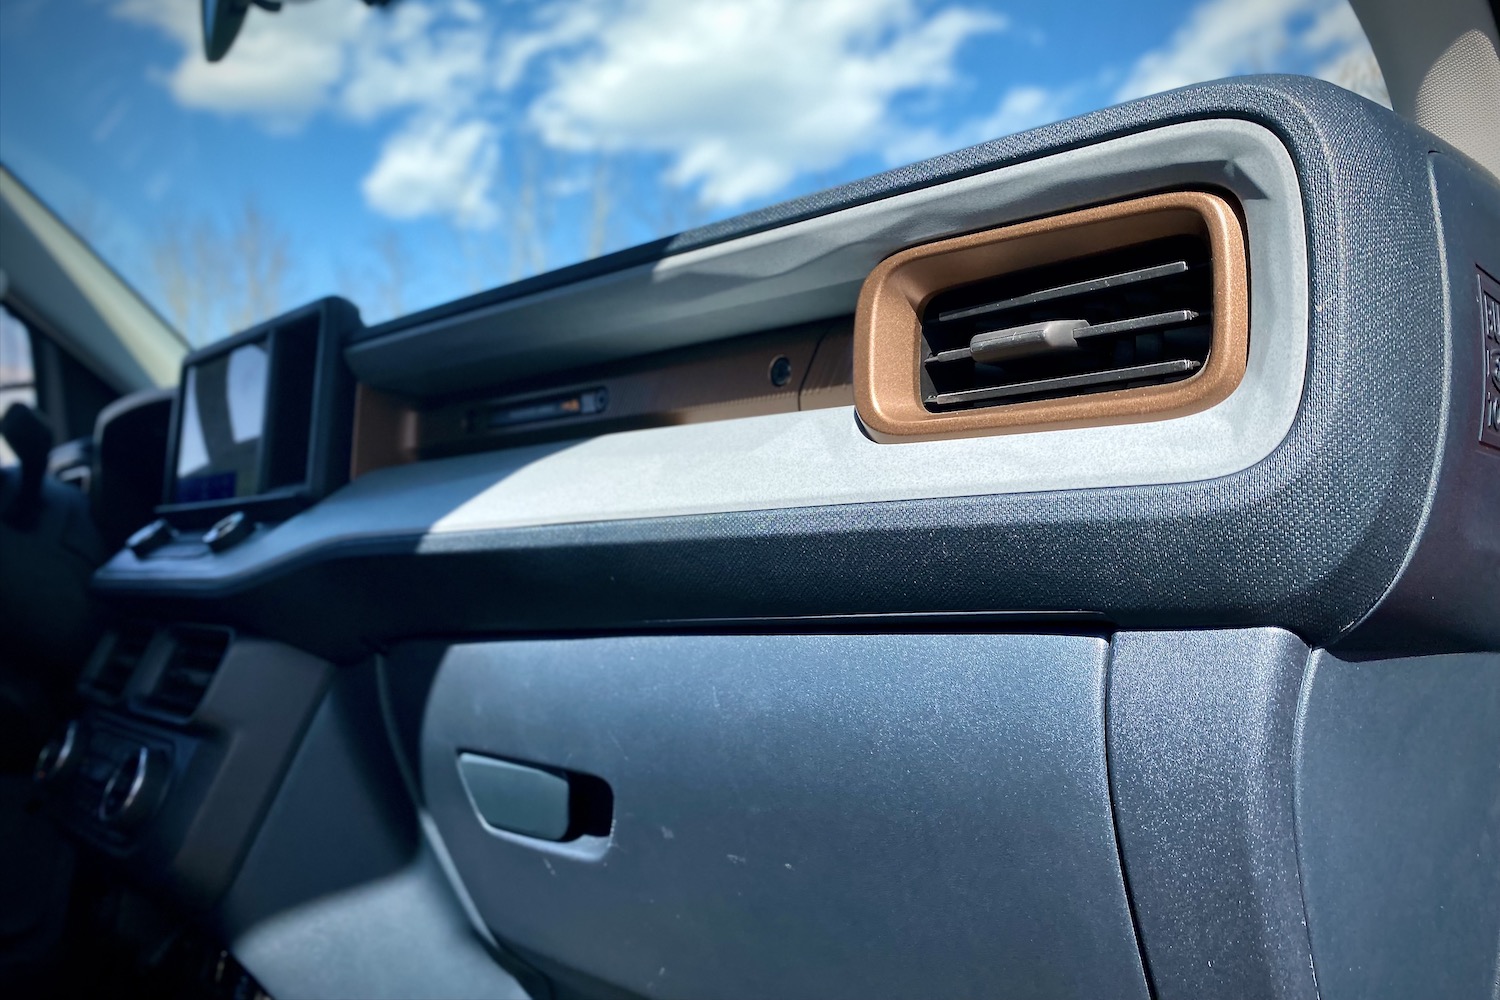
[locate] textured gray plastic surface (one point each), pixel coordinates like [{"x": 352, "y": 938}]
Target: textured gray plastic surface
[
  {"x": 340, "y": 895},
  {"x": 1309, "y": 538},
  {"x": 821, "y": 816},
  {"x": 1455, "y": 564},
  {"x": 1201, "y": 738},
  {"x": 1398, "y": 803}
]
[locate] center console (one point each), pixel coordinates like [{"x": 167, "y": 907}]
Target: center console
[{"x": 186, "y": 729}]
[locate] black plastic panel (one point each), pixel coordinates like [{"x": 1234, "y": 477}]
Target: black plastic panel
[
  {"x": 341, "y": 895},
  {"x": 1398, "y": 802},
  {"x": 797, "y": 816},
  {"x": 225, "y": 765},
  {"x": 1201, "y": 736},
  {"x": 1452, "y": 582}
]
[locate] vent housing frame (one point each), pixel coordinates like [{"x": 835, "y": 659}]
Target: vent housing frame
[
  {"x": 890, "y": 351},
  {"x": 186, "y": 672},
  {"x": 118, "y": 661}
]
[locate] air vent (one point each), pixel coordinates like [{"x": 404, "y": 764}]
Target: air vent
[
  {"x": 1129, "y": 312},
  {"x": 125, "y": 651},
  {"x": 196, "y": 655},
  {"x": 1137, "y": 316}
]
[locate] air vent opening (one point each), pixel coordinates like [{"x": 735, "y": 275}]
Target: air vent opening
[
  {"x": 1139, "y": 315},
  {"x": 124, "y": 656},
  {"x": 190, "y": 668},
  {"x": 1127, "y": 312}
]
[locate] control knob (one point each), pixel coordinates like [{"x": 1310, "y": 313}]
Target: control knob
[
  {"x": 229, "y": 531},
  {"x": 60, "y": 756},
  {"x": 134, "y": 789},
  {"x": 147, "y": 540}
]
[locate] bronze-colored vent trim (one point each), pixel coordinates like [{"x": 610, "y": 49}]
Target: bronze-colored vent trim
[{"x": 888, "y": 321}]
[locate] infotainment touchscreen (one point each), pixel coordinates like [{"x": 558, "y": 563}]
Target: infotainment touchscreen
[
  {"x": 221, "y": 433},
  {"x": 264, "y": 419}
]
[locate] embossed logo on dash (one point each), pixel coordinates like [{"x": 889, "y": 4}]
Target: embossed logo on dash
[{"x": 1489, "y": 327}]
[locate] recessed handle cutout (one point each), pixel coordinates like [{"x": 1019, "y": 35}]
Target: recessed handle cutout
[{"x": 546, "y": 803}]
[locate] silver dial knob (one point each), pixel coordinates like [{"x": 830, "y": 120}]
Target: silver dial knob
[
  {"x": 135, "y": 789},
  {"x": 150, "y": 538},
  {"x": 229, "y": 531},
  {"x": 60, "y": 756}
]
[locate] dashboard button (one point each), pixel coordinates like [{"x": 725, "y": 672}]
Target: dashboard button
[
  {"x": 150, "y": 538},
  {"x": 228, "y": 532}
]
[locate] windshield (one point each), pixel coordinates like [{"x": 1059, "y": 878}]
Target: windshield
[{"x": 410, "y": 155}]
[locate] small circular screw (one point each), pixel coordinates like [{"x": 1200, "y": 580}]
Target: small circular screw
[{"x": 781, "y": 371}]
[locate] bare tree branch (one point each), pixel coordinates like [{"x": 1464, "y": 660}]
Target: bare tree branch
[
  {"x": 214, "y": 281},
  {"x": 392, "y": 284},
  {"x": 601, "y": 206},
  {"x": 261, "y": 254}
]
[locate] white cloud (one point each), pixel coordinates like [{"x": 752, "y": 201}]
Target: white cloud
[
  {"x": 563, "y": 26},
  {"x": 437, "y": 167},
  {"x": 467, "y": 10},
  {"x": 1226, "y": 37},
  {"x": 737, "y": 97},
  {"x": 1356, "y": 69},
  {"x": 1353, "y": 63},
  {"x": 309, "y": 57},
  {"x": 428, "y": 61},
  {"x": 1336, "y": 24},
  {"x": 1220, "y": 38},
  {"x": 1020, "y": 108},
  {"x": 282, "y": 66},
  {"x": 418, "y": 60},
  {"x": 744, "y": 95}
]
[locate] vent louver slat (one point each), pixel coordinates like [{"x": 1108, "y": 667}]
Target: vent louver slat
[
  {"x": 1113, "y": 377},
  {"x": 1140, "y": 315},
  {"x": 196, "y": 655},
  {"x": 1077, "y": 288}
]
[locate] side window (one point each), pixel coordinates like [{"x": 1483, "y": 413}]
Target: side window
[{"x": 17, "y": 374}]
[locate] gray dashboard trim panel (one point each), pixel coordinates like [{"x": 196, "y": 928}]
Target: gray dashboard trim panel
[
  {"x": 822, "y": 456},
  {"x": 1398, "y": 815},
  {"x": 1459, "y": 536},
  {"x": 1202, "y": 730}
]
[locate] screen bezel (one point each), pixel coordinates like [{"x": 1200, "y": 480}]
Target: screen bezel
[
  {"x": 262, "y": 448},
  {"x": 329, "y": 429}
]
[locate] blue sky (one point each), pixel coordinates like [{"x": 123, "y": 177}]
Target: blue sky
[{"x": 409, "y": 156}]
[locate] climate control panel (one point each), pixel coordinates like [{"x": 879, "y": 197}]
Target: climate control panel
[{"x": 104, "y": 780}]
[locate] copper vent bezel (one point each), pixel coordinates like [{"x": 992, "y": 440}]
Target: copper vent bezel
[{"x": 888, "y": 320}]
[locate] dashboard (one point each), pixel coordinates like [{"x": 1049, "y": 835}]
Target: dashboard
[{"x": 533, "y": 630}]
